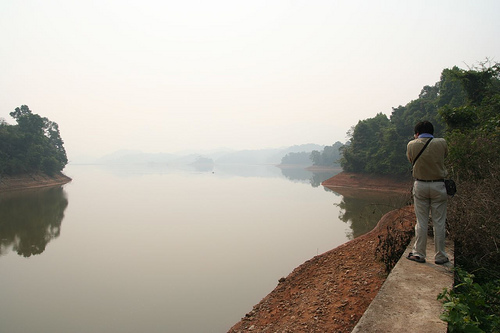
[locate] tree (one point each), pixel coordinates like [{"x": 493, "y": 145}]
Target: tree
[
  {"x": 473, "y": 135},
  {"x": 365, "y": 153},
  {"x": 33, "y": 145},
  {"x": 377, "y": 145},
  {"x": 330, "y": 156},
  {"x": 292, "y": 158},
  {"x": 473, "y": 128}
]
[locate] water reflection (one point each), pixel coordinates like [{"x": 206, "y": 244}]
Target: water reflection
[
  {"x": 29, "y": 220},
  {"x": 363, "y": 209},
  {"x": 182, "y": 242},
  {"x": 246, "y": 170},
  {"x": 219, "y": 170},
  {"x": 315, "y": 178}
]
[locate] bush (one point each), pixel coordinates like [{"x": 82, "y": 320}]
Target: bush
[
  {"x": 473, "y": 223},
  {"x": 473, "y": 154},
  {"x": 470, "y": 306},
  {"x": 394, "y": 239},
  {"x": 474, "y": 142}
]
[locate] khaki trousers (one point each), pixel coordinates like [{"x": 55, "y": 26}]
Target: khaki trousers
[{"x": 430, "y": 200}]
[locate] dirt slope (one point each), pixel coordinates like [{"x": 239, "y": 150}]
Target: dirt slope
[
  {"x": 27, "y": 181},
  {"x": 330, "y": 292}
]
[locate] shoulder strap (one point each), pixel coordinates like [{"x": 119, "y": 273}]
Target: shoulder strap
[{"x": 425, "y": 146}]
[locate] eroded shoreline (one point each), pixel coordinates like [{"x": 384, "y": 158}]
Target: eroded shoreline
[{"x": 31, "y": 181}]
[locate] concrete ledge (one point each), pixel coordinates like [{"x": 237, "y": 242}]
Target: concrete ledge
[{"x": 407, "y": 300}]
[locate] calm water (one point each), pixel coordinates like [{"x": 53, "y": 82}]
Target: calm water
[{"x": 149, "y": 249}]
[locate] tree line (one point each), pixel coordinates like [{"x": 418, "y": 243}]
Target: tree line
[
  {"x": 329, "y": 157},
  {"x": 473, "y": 135},
  {"x": 33, "y": 145},
  {"x": 377, "y": 145},
  {"x": 464, "y": 107}
]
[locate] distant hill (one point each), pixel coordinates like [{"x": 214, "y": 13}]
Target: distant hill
[
  {"x": 136, "y": 157},
  {"x": 262, "y": 156},
  {"x": 265, "y": 156}
]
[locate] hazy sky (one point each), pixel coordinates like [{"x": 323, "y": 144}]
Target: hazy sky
[{"x": 163, "y": 76}]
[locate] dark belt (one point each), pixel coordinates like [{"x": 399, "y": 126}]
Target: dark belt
[{"x": 430, "y": 181}]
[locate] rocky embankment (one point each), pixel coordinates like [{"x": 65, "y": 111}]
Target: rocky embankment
[
  {"x": 330, "y": 292},
  {"x": 27, "y": 181}
]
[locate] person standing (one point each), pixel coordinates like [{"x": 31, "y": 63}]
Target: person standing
[{"x": 429, "y": 191}]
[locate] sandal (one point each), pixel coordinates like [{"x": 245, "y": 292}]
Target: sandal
[
  {"x": 441, "y": 261},
  {"x": 413, "y": 257}
]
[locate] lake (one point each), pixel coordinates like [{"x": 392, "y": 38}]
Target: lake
[{"x": 155, "y": 249}]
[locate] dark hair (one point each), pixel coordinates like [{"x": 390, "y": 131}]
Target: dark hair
[{"x": 424, "y": 127}]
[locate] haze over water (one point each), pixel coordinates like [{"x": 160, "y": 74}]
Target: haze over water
[
  {"x": 163, "y": 76},
  {"x": 129, "y": 249}
]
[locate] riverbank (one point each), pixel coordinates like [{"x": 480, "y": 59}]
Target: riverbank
[
  {"x": 33, "y": 180},
  {"x": 330, "y": 292},
  {"x": 348, "y": 180}
]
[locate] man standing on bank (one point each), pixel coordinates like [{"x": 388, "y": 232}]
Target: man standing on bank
[{"x": 429, "y": 191}]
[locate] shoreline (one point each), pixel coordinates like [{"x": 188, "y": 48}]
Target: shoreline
[
  {"x": 312, "y": 168},
  {"x": 31, "y": 181},
  {"x": 379, "y": 183},
  {"x": 331, "y": 291}
]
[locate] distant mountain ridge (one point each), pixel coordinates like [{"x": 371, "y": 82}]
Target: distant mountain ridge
[{"x": 260, "y": 156}]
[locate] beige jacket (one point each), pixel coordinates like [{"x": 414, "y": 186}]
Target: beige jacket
[{"x": 430, "y": 165}]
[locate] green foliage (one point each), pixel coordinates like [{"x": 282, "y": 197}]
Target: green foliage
[
  {"x": 377, "y": 144},
  {"x": 330, "y": 156},
  {"x": 473, "y": 224},
  {"x": 33, "y": 145},
  {"x": 462, "y": 117},
  {"x": 473, "y": 135},
  {"x": 474, "y": 127},
  {"x": 472, "y": 153},
  {"x": 464, "y": 107},
  {"x": 474, "y": 159},
  {"x": 451, "y": 90},
  {"x": 464, "y": 104},
  {"x": 470, "y": 306},
  {"x": 302, "y": 158},
  {"x": 372, "y": 148}
]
